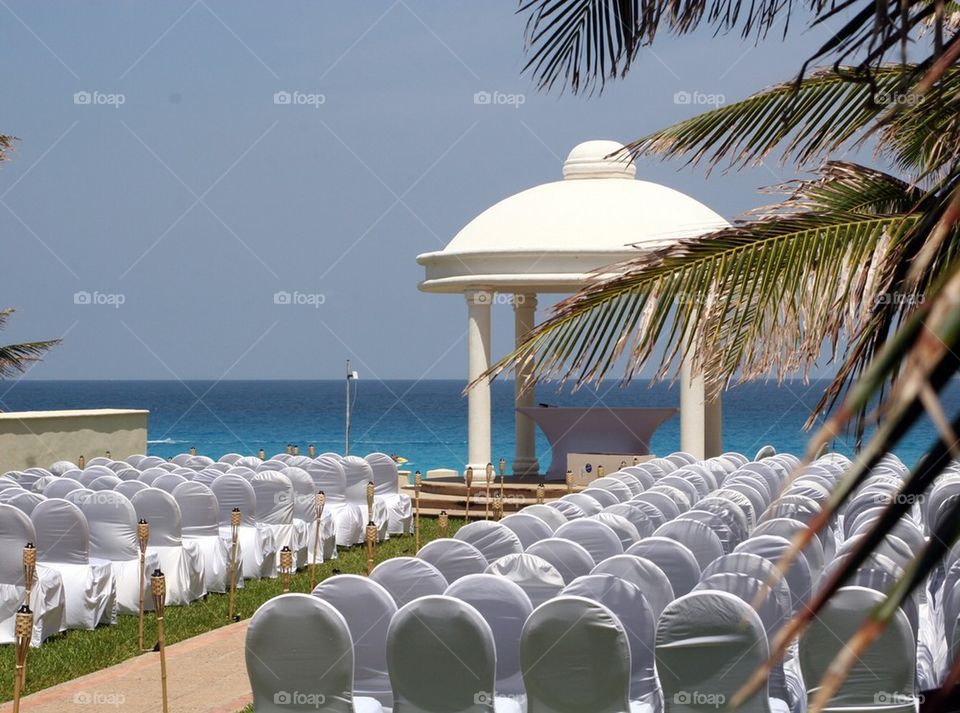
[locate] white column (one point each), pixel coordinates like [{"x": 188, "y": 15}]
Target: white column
[
  {"x": 478, "y": 398},
  {"x": 525, "y": 452},
  {"x": 700, "y": 422}
]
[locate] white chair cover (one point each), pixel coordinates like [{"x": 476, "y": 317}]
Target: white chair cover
[
  {"x": 661, "y": 501},
  {"x": 654, "y": 514},
  {"x": 60, "y": 487},
  {"x": 180, "y": 560},
  {"x": 275, "y": 496},
  {"x": 589, "y": 506},
  {"x": 453, "y": 558},
  {"x": 643, "y": 475},
  {"x": 772, "y": 549},
  {"x": 633, "y": 483},
  {"x": 635, "y": 516},
  {"x": 300, "y": 658},
  {"x": 568, "y": 509},
  {"x": 673, "y": 558},
  {"x": 62, "y": 466},
  {"x": 112, "y": 520},
  {"x": 63, "y": 544},
  {"x": 305, "y": 511},
  {"x": 200, "y": 515},
  {"x": 550, "y": 516},
  {"x": 257, "y": 543},
  {"x": 349, "y": 519},
  {"x": 630, "y": 606},
  {"x": 505, "y": 606},
  {"x": 491, "y": 538},
  {"x": 442, "y": 658},
  {"x": 597, "y": 538},
  {"x": 23, "y": 500},
  {"x": 617, "y": 487},
  {"x": 625, "y": 530},
  {"x": 47, "y": 597},
  {"x": 534, "y": 575},
  {"x": 786, "y": 528},
  {"x": 708, "y": 645},
  {"x": 644, "y": 574},
  {"x": 575, "y": 656},
  {"x": 602, "y": 496},
  {"x": 167, "y": 482},
  {"x": 367, "y": 608},
  {"x": 387, "y": 485},
  {"x": 408, "y": 578},
  {"x": 717, "y": 525},
  {"x": 698, "y": 538},
  {"x": 358, "y": 474},
  {"x": 105, "y": 482},
  {"x": 528, "y": 528},
  {"x": 570, "y": 559},
  {"x": 882, "y": 678}
]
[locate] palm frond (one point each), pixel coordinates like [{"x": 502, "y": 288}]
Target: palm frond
[{"x": 14, "y": 358}]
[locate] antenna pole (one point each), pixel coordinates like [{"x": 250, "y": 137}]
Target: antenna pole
[{"x": 347, "y": 429}]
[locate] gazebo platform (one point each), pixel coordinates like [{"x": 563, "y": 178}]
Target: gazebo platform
[{"x": 450, "y": 494}]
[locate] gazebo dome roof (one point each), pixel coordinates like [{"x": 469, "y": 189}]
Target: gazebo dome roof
[{"x": 549, "y": 238}]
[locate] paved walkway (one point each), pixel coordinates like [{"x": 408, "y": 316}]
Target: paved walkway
[{"x": 205, "y": 674}]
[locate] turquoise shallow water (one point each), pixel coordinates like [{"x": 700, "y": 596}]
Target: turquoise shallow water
[{"x": 423, "y": 421}]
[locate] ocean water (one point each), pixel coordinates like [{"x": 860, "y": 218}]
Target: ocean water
[{"x": 423, "y": 421}]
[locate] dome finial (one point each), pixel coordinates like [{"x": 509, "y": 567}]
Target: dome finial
[{"x": 592, "y": 159}]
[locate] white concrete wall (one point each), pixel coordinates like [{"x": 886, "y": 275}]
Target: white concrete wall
[{"x": 39, "y": 438}]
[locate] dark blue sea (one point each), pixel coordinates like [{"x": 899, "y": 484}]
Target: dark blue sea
[{"x": 423, "y": 421}]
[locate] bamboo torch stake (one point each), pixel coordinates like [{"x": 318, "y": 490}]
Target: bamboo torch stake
[
  {"x": 23, "y": 629},
  {"x": 371, "y": 490},
  {"x": 541, "y": 493},
  {"x": 497, "y": 509},
  {"x": 503, "y": 473},
  {"x": 417, "y": 482},
  {"x": 569, "y": 482},
  {"x": 262, "y": 455},
  {"x": 143, "y": 537},
  {"x": 486, "y": 497},
  {"x": 158, "y": 587},
  {"x": 312, "y": 451},
  {"x": 468, "y": 478},
  {"x": 321, "y": 501},
  {"x": 371, "y": 544},
  {"x": 286, "y": 567},
  {"x": 29, "y": 577},
  {"x": 235, "y": 538},
  {"x": 443, "y": 524}
]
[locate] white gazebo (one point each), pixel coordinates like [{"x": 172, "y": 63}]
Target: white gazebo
[{"x": 550, "y": 238}]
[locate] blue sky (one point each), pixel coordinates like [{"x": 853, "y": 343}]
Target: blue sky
[{"x": 156, "y": 173}]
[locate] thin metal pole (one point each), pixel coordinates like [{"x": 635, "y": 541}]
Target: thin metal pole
[{"x": 346, "y": 450}]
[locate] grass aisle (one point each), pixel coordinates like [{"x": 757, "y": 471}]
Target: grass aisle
[{"x": 76, "y": 653}]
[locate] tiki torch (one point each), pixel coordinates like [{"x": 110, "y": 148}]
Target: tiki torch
[
  {"x": 235, "y": 539},
  {"x": 143, "y": 537},
  {"x": 371, "y": 490},
  {"x": 443, "y": 523},
  {"x": 371, "y": 544},
  {"x": 541, "y": 493},
  {"x": 497, "y": 509},
  {"x": 417, "y": 482},
  {"x": 29, "y": 570},
  {"x": 321, "y": 501},
  {"x": 569, "y": 482},
  {"x": 158, "y": 587},
  {"x": 468, "y": 478},
  {"x": 262, "y": 455},
  {"x": 23, "y": 629},
  {"x": 312, "y": 451},
  {"x": 486, "y": 501},
  {"x": 286, "y": 567}
]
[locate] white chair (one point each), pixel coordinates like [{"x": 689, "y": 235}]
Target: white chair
[
  {"x": 662, "y": 500},
  {"x": 453, "y": 558},
  {"x": 617, "y": 487},
  {"x": 367, "y": 608},
  {"x": 505, "y": 607},
  {"x": 387, "y": 485},
  {"x": 60, "y": 487},
  {"x": 698, "y": 538},
  {"x": 788, "y": 529},
  {"x": 454, "y": 668},
  {"x": 883, "y": 677},
  {"x": 289, "y": 672},
  {"x": 105, "y": 482},
  {"x": 635, "y": 516},
  {"x": 256, "y": 541},
  {"x": 47, "y": 597},
  {"x": 569, "y": 558},
  {"x": 491, "y": 538},
  {"x": 597, "y": 538},
  {"x": 550, "y": 516},
  {"x": 569, "y": 510},
  {"x": 772, "y": 549},
  {"x": 673, "y": 558},
  {"x": 534, "y": 575},
  {"x": 575, "y": 657},
  {"x": 625, "y": 530},
  {"x": 180, "y": 560},
  {"x": 708, "y": 645},
  {"x": 589, "y": 506},
  {"x": 359, "y": 474},
  {"x": 23, "y": 500},
  {"x": 166, "y": 482},
  {"x": 305, "y": 511},
  {"x": 602, "y": 496},
  {"x": 630, "y": 606},
  {"x": 200, "y": 515},
  {"x": 112, "y": 520},
  {"x": 642, "y": 573},
  {"x": 349, "y": 518},
  {"x": 63, "y": 544},
  {"x": 527, "y": 528},
  {"x": 408, "y": 578},
  {"x": 275, "y": 497}
]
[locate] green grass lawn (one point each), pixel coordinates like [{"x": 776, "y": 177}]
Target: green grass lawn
[{"x": 76, "y": 653}]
